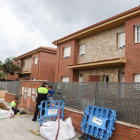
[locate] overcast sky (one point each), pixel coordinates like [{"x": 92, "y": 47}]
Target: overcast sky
[{"x": 28, "y": 24}]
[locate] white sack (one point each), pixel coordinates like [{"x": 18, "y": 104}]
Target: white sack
[
  {"x": 6, "y": 114},
  {"x": 63, "y": 133},
  {"x": 49, "y": 130},
  {"x": 70, "y": 128}
]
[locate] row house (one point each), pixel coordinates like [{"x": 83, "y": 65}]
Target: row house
[
  {"x": 38, "y": 64},
  {"x": 108, "y": 51}
]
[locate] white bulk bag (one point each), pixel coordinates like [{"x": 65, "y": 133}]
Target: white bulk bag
[
  {"x": 6, "y": 114},
  {"x": 49, "y": 130},
  {"x": 70, "y": 128},
  {"x": 63, "y": 132}
]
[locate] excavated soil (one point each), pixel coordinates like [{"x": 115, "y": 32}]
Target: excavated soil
[{"x": 2, "y": 106}]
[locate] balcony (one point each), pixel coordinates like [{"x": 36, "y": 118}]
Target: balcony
[{"x": 101, "y": 63}]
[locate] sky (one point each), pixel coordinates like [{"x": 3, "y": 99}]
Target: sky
[{"x": 29, "y": 24}]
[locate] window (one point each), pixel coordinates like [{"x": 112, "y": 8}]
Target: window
[
  {"x": 34, "y": 79},
  {"x": 137, "y": 34},
  {"x": 65, "y": 79},
  {"x": 121, "y": 40},
  {"x": 18, "y": 64},
  {"x": 67, "y": 51},
  {"x": 35, "y": 60},
  {"x": 137, "y": 79},
  {"x": 80, "y": 77},
  {"x": 122, "y": 76},
  {"x": 23, "y": 64},
  {"x": 106, "y": 79},
  {"x": 82, "y": 50}
]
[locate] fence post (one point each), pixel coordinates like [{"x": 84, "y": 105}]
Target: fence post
[{"x": 96, "y": 93}]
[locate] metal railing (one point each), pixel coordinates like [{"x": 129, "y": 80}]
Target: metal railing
[
  {"x": 3, "y": 85},
  {"x": 76, "y": 95},
  {"x": 124, "y": 98},
  {"x": 14, "y": 88}
]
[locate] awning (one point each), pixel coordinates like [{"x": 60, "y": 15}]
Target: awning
[
  {"x": 101, "y": 63},
  {"x": 26, "y": 72}
]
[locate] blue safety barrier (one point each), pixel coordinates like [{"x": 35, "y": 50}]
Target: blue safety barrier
[
  {"x": 50, "y": 109},
  {"x": 98, "y": 122}
]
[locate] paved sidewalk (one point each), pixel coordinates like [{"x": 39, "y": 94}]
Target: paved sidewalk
[{"x": 19, "y": 128}]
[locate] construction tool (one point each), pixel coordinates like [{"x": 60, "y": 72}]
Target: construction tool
[{"x": 35, "y": 132}]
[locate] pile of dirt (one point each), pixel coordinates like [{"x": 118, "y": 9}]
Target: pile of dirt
[{"x": 2, "y": 106}]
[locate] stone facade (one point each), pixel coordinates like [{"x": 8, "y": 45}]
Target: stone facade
[
  {"x": 28, "y": 64},
  {"x": 102, "y": 46},
  {"x": 112, "y": 72}
]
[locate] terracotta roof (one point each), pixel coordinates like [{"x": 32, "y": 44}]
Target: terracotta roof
[
  {"x": 99, "y": 23},
  {"x": 97, "y": 61},
  {"x": 48, "y": 48},
  {"x": 41, "y": 48}
]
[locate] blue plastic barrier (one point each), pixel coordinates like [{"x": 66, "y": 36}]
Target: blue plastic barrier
[
  {"x": 50, "y": 109},
  {"x": 98, "y": 122}
]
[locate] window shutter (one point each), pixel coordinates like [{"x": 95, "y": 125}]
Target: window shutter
[
  {"x": 82, "y": 49},
  {"x": 65, "y": 79},
  {"x": 35, "y": 61},
  {"x": 137, "y": 77},
  {"x": 67, "y": 51},
  {"x": 138, "y": 34},
  {"x": 121, "y": 40}
]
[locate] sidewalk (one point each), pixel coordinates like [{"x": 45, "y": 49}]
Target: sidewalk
[{"x": 19, "y": 127}]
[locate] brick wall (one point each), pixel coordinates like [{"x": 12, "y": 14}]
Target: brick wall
[
  {"x": 47, "y": 66},
  {"x": 44, "y": 70},
  {"x": 9, "y": 97},
  {"x": 132, "y": 50},
  {"x": 92, "y": 78},
  {"x": 30, "y": 105},
  {"x": 35, "y": 68},
  {"x": 62, "y": 63},
  {"x": 121, "y": 132}
]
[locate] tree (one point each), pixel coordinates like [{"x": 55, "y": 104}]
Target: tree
[
  {"x": 8, "y": 67},
  {"x": 2, "y": 75}
]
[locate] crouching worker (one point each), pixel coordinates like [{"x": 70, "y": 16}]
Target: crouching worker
[{"x": 13, "y": 104}]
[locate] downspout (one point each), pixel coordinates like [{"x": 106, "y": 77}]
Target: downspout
[
  {"x": 38, "y": 67},
  {"x": 58, "y": 64}
]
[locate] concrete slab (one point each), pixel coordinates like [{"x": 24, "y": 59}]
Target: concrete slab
[{"x": 19, "y": 128}]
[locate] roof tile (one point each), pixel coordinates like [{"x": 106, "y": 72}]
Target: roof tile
[{"x": 101, "y": 22}]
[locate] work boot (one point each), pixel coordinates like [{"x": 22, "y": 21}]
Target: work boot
[{"x": 34, "y": 120}]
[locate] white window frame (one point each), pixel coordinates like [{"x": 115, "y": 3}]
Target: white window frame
[
  {"x": 34, "y": 79},
  {"x": 65, "y": 78},
  {"x": 82, "y": 50},
  {"x": 137, "y": 85},
  {"x": 35, "y": 60},
  {"x": 122, "y": 45},
  {"x": 66, "y": 55},
  {"x": 80, "y": 77},
  {"x": 136, "y": 39},
  {"x": 106, "y": 84}
]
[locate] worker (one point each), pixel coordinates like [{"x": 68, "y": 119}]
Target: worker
[
  {"x": 42, "y": 95},
  {"x": 14, "y": 106}
]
